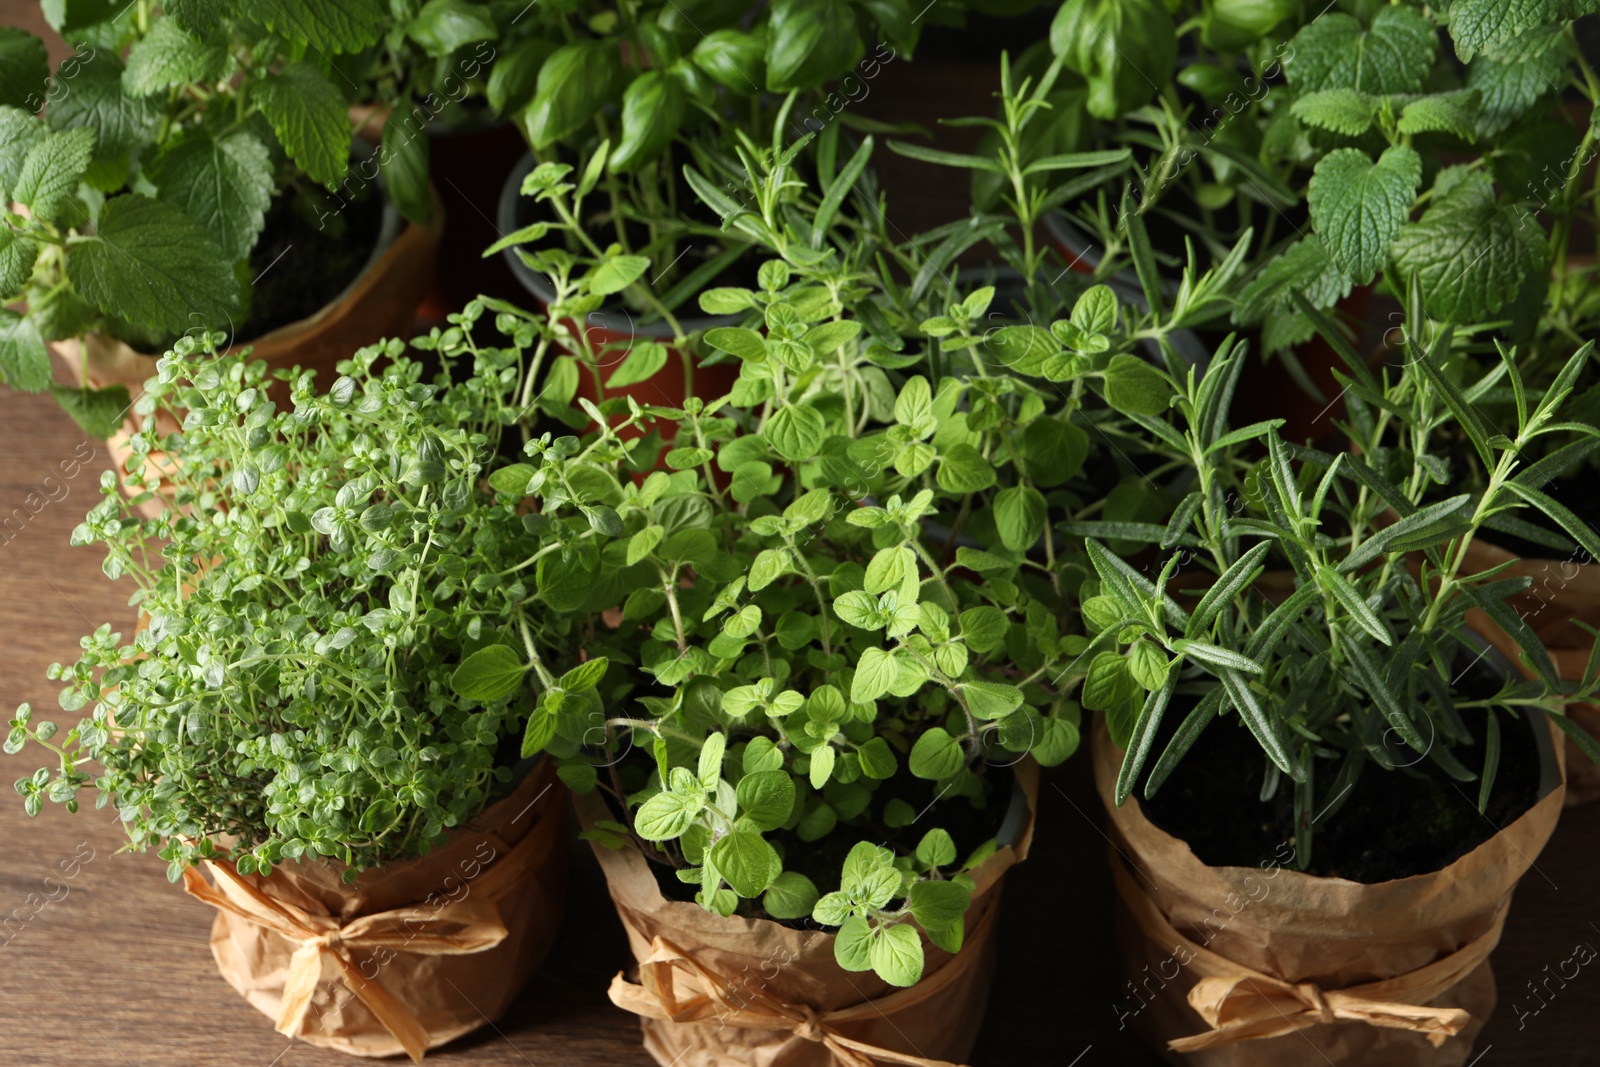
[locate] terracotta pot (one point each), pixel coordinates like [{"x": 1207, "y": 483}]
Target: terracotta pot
[
  {"x": 1562, "y": 590},
  {"x": 379, "y": 303},
  {"x": 612, "y": 330},
  {"x": 1248, "y": 967},
  {"x": 731, "y": 992},
  {"x": 411, "y": 955}
]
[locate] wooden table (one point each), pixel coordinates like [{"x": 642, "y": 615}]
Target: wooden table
[{"x": 115, "y": 970}]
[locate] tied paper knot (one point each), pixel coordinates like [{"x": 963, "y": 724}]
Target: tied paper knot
[
  {"x": 1243, "y": 1004},
  {"x": 468, "y": 925},
  {"x": 675, "y": 987}
]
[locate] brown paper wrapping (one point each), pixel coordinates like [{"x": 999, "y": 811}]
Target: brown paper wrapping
[
  {"x": 381, "y": 302},
  {"x": 1343, "y": 973},
  {"x": 736, "y": 992},
  {"x": 1562, "y": 590},
  {"x": 411, "y": 955}
]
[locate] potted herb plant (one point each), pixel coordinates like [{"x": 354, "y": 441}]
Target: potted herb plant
[
  {"x": 206, "y": 182},
  {"x": 1313, "y": 608},
  {"x": 291, "y": 716}
]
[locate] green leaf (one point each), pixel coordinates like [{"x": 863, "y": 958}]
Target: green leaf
[
  {"x": 1305, "y": 267},
  {"x": 584, "y": 676},
  {"x": 746, "y": 344},
  {"x": 1358, "y": 206},
  {"x": 52, "y": 169},
  {"x": 745, "y": 860},
  {"x": 98, "y": 411},
  {"x": 1470, "y": 253},
  {"x": 1354, "y": 603},
  {"x": 983, "y": 628},
  {"x": 666, "y": 816},
  {"x": 1333, "y": 51},
  {"x": 1369, "y": 677},
  {"x": 18, "y": 132},
  {"x": 488, "y": 675},
  {"x": 96, "y": 101},
  {"x": 654, "y": 106},
  {"x": 24, "y": 357},
  {"x": 1508, "y": 90},
  {"x": 1248, "y": 704},
  {"x": 810, "y": 42},
  {"x": 644, "y": 361},
  {"x": 1580, "y": 530},
  {"x": 1517, "y": 628},
  {"x": 616, "y": 274},
  {"x": 168, "y": 57},
  {"x": 1454, "y": 113},
  {"x": 24, "y": 69},
  {"x": 791, "y": 896},
  {"x": 936, "y": 755},
  {"x": 513, "y": 479},
  {"x": 822, "y": 763},
  {"x": 1135, "y": 387},
  {"x": 515, "y": 74},
  {"x": 897, "y": 954},
  {"x": 795, "y": 432},
  {"x": 310, "y": 118},
  {"x": 575, "y": 82},
  {"x": 154, "y": 266},
  {"x": 1341, "y": 110},
  {"x": 937, "y": 905},
  {"x": 1475, "y": 24},
  {"x": 403, "y": 160},
  {"x": 963, "y": 470},
  {"x": 991, "y": 700},
  {"x": 18, "y": 256},
  {"x": 878, "y": 759},
  {"x": 225, "y": 185},
  {"x": 852, "y": 946},
  {"x": 327, "y": 25},
  {"x": 766, "y": 798},
  {"x": 442, "y": 26},
  {"x": 539, "y": 731},
  {"x": 936, "y": 849},
  {"x": 1019, "y": 515},
  {"x": 875, "y": 673},
  {"x": 1231, "y": 582}
]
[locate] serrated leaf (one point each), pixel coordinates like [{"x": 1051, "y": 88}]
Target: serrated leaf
[
  {"x": 96, "y": 101},
  {"x": 1455, "y": 113},
  {"x": 18, "y": 132},
  {"x": 1470, "y": 253},
  {"x": 1335, "y": 51},
  {"x": 1477, "y": 23},
  {"x": 167, "y": 57},
  {"x": 1508, "y": 90},
  {"x": 17, "y": 257},
  {"x": 665, "y": 816},
  {"x": 24, "y": 358},
  {"x": 225, "y": 185},
  {"x": 1305, "y": 267},
  {"x": 310, "y": 118},
  {"x": 153, "y": 265},
  {"x": 98, "y": 411},
  {"x": 328, "y": 25},
  {"x": 1359, "y": 206},
  {"x": 52, "y": 169},
  {"x": 852, "y": 946},
  {"x": 1342, "y": 110}
]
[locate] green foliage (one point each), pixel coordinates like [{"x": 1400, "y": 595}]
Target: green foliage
[{"x": 342, "y": 621}]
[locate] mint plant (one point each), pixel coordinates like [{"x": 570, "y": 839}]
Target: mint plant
[
  {"x": 311, "y": 598},
  {"x": 1359, "y": 660},
  {"x": 146, "y": 183}
]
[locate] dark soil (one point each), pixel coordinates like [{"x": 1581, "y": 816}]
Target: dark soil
[
  {"x": 1394, "y": 824},
  {"x": 300, "y": 266},
  {"x": 821, "y": 861}
]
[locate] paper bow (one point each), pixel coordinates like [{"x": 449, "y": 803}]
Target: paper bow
[
  {"x": 469, "y": 925},
  {"x": 1243, "y": 1004},
  {"x": 658, "y": 998}
]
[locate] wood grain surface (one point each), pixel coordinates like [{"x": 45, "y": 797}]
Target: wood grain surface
[{"x": 111, "y": 965}]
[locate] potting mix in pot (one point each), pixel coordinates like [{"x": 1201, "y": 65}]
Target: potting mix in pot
[{"x": 1245, "y": 431}]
